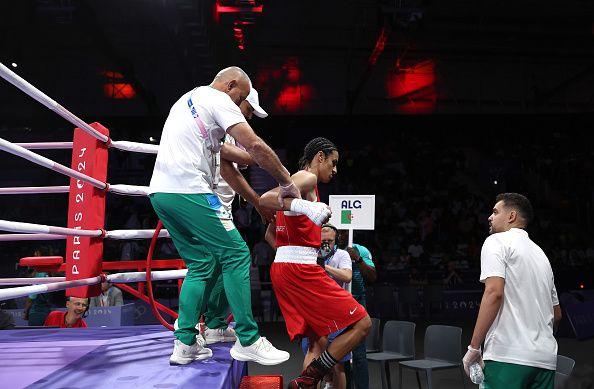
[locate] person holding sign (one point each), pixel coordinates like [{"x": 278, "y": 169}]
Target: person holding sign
[
  {"x": 312, "y": 303},
  {"x": 364, "y": 273}
]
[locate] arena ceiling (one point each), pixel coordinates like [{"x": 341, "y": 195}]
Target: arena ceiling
[{"x": 306, "y": 57}]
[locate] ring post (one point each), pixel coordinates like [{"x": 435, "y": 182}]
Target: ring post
[{"x": 86, "y": 210}]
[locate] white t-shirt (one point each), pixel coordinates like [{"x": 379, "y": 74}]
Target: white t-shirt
[
  {"x": 522, "y": 332},
  {"x": 340, "y": 260},
  {"x": 191, "y": 140}
]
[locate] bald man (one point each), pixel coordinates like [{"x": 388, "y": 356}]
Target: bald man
[{"x": 182, "y": 194}]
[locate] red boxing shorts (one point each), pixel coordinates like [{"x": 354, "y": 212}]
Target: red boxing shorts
[{"x": 311, "y": 302}]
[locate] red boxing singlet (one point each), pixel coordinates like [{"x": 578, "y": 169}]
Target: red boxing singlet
[{"x": 297, "y": 230}]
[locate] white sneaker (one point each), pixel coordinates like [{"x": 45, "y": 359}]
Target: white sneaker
[
  {"x": 184, "y": 354},
  {"x": 262, "y": 352},
  {"x": 219, "y": 335}
]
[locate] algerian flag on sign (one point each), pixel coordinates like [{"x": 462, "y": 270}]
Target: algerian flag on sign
[{"x": 346, "y": 216}]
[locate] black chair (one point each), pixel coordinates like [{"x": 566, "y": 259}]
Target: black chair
[
  {"x": 372, "y": 341},
  {"x": 398, "y": 344},
  {"x": 442, "y": 350}
]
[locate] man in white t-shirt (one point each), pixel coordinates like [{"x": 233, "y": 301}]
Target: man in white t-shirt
[
  {"x": 216, "y": 326},
  {"x": 182, "y": 194},
  {"x": 519, "y": 308}
]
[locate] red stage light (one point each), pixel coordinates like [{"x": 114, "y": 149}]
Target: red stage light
[
  {"x": 416, "y": 85},
  {"x": 116, "y": 87},
  {"x": 293, "y": 98},
  {"x": 113, "y": 75},
  {"x": 222, "y": 9},
  {"x": 120, "y": 91}
]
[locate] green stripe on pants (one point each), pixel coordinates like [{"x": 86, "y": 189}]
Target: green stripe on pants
[
  {"x": 501, "y": 375},
  {"x": 209, "y": 244}
]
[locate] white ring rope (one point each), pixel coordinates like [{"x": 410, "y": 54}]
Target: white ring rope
[
  {"x": 28, "y": 228},
  {"x": 136, "y": 147},
  {"x": 44, "y": 99},
  {"x": 34, "y": 229},
  {"x": 147, "y": 148},
  {"x": 21, "y": 291},
  {"x": 34, "y": 190},
  {"x": 136, "y": 276},
  {"x": 116, "y": 278},
  {"x": 30, "y": 281},
  {"x": 131, "y": 190},
  {"x": 48, "y": 163},
  {"x": 22, "y": 237},
  {"x": 134, "y": 234},
  {"x": 46, "y": 145}
]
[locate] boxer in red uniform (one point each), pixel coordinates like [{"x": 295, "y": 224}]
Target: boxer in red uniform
[{"x": 312, "y": 304}]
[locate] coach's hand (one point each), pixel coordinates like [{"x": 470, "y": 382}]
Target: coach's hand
[
  {"x": 472, "y": 355},
  {"x": 289, "y": 191}
]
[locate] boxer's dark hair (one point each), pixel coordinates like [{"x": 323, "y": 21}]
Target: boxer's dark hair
[
  {"x": 314, "y": 147},
  {"x": 518, "y": 202}
]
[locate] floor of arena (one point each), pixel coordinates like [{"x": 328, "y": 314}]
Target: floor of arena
[
  {"x": 124, "y": 357},
  {"x": 580, "y": 351}
]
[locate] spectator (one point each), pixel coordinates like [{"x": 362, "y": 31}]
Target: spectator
[
  {"x": 403, "y": 260},
  {"x": 363, "y": 272},
  {"x": 6, "y": 320},
  {"x": 415, "y": 250},
  {"x": 38, "y": 306},
  {"x": 416, "y": 277},
  {"x": 130, "y": 251},
  {"x": 452, "y": 279},
  {"x": 110, "y": 296},
  {"x": 76, "y": 308}
]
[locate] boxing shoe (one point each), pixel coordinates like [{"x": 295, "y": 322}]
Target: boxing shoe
[{"x": 310, "y": 377}]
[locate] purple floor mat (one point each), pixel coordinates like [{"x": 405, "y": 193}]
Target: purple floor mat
[{"x": 125, "y": 357}]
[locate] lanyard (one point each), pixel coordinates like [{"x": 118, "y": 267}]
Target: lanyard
[{"x": 213, "y": 147}]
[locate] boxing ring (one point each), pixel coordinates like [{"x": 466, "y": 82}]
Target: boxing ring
[{"x": 99, "y": 357}]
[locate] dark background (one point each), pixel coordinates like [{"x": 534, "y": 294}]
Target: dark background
[{"x": 436, "y": 107}]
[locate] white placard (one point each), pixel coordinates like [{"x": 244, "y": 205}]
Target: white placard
[{"x": 353, "y": 212}]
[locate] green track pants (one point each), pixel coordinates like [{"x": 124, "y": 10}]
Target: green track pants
[
  {"x": 208, "y": 242},
  {"x": 501, "y": 375}
]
